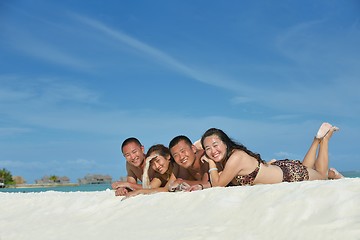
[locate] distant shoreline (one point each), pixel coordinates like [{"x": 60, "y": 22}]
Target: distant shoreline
[
  {"x": 348, "y": 174},
  {"x": 35, "y": 185}
]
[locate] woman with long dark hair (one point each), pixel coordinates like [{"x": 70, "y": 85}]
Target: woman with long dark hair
[{"x": 244, "y": 167}]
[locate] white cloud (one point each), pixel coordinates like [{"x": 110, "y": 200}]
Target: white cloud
[
  {"x": 22, "y": 164},
  {"x": 68, "y": 92},
  {"x": 46, "y": 90},
  {"x": 33, "y": 44},
  {"x": 294, "y": 92},
  {"x": 48, "y": 52},
  {"x": 10, "y": 95},
  {"x": 241, "y": 99},
  {"x": 81, "y": 162},
  {"x": 205, "y": 76},
  {"x": 10, "y": 131},
  {"x": 283, "y": 154}
]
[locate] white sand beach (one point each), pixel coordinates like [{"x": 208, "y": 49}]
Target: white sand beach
[{"x": 306, "y": 210}]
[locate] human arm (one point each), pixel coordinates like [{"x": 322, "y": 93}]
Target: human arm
[
  {"x": 120, "y": 188},
  {"x": 133, "y": 175},
  {"x": 231, "y": 169},
  {"x": 204, "y": 182},
  {"x": 121, "y": 191},
  {"x": 145, "y": 191},
  {"x": 129, "y": 185},
  {"x": 200, "y": 186},
  {"x": 155, "y": 187},
  {"x": 124, "y": 187},
  {"x": 186, "y": 184}
]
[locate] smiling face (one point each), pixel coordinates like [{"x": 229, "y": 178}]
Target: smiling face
[
  {"x": 183, "y": 154},
  {"x": 215, "y": 148},
  {"x": 160, "y": 164},
  {"x": 134, "y": 154}
]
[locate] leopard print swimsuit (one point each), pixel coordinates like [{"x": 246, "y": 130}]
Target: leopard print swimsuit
[
  {"x": 248, "y": 179},
  {"x": 293, "y": 170}
]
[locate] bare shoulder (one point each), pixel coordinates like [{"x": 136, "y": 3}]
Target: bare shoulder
[
  {"x": 130, "y": 168},
  {"x": 235, "y": 164},
  {"x": 238, "y": 155},
  {"x": 133, "y": 171},
  {"x": 199, "y": 154},
  {"x": 197, "y": 144},
  {"x": 240, "y": 159}
]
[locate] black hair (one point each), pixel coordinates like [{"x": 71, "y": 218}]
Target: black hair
[
  {"x": 160, "y": 149},
  {"x": 179, "y": 138},
  {"x": 130, "y": 140},
  {"x": 231, "y": 144}
]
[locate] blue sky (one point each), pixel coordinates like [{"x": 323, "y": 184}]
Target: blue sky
[{"x": 79, "y": 77}]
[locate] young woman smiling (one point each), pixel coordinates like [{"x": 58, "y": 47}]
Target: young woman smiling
[{"x": 244, "y": 167}]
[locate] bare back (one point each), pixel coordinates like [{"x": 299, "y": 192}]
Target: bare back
[{"x": 241, "y": 164}]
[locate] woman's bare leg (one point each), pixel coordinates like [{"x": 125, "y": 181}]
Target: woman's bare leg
[
  {"x": 310, "y": 157},
  {"x": 322, "y": 161}
]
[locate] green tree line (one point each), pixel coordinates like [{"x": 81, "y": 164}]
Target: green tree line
[{"x": 6, "y": 176}]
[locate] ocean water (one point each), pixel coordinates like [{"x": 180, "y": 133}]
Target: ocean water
[
  {"x": 80, "y": 188},
  {"x": 351, "y": 174}
]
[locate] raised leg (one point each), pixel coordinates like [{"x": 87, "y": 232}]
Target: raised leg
[
  {"x": 322, "y": 161},
  {"x": 320, "y": 172},
  {"x": 310, "y": 157}
]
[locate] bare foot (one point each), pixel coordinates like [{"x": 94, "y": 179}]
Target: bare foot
[
  {"x": 330, "y": 132},
  {"x": 323, "y": 130},
  {"x": 334, "y": 174}
]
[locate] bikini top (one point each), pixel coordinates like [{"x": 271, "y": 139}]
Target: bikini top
[{"x": 248, "y": 179}]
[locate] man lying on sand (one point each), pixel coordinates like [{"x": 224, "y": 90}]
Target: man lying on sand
[
  {"x": 134, "y": 153},
  {"x": 180, "y": 167}
]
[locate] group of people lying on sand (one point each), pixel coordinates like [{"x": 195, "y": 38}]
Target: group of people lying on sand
[{"x": 216, "y": 160}]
